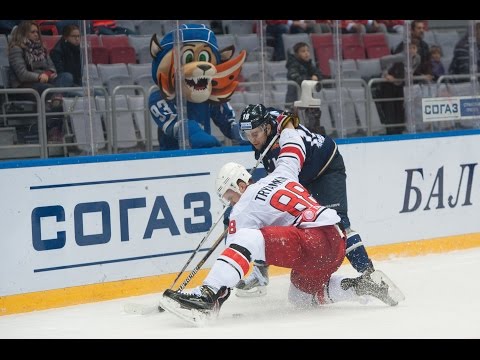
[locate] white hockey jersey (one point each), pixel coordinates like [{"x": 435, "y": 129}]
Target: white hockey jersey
[{"x": 278, "y": 199}]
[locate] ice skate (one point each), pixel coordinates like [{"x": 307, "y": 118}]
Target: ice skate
[
  {"x": 255, "y": 284},
  {"x": 375, "y": 284},
  {"x": 198, "y": 306}
]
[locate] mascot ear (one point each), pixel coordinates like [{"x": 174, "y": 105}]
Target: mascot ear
[
  {"x": 155, "y": 47},
  {"x": 227, "y": 53}
]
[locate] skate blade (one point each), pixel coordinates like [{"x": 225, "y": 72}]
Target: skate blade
[
  {"x": 393, "y": 291},
  {"x": 195, "y": 317},
  {"x": 256, "y": 291}
]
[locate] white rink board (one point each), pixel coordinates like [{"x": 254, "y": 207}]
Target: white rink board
[
  {"x": 376, "y": 179},
  {"x": 377, "y": 186},
  {"x": 75, "y": 264}
]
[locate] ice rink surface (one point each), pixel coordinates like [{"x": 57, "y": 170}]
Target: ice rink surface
[{"x": 442, "y": 302}]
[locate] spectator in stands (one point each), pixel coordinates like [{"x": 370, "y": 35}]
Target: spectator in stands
[
  {"x": 30, "y": 64},
  {"x": 461, "y": 55},
  {"x": 275, "y": 29},
  {"x": 32, "y": 67},
  {"x": 300, "y": 66},
  {"x": 109, "y": 27},
  {"x": 374, "y": 26},
  {"x": 393, "y": 26},
  {"x": 323, "y": 26},
  {"x": 302, "y": 26},
  {"x": 353, "y": 26},
  {"x": 66, "y": 54},
  {"x": 362, "y": 26},
  {"x": 417, "y": 31},
  {"x": 393, "y": 110},
  {"x": 436, "y": 58}
]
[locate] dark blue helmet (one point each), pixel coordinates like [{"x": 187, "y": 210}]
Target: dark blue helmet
[{"x": 253, "y": 116}]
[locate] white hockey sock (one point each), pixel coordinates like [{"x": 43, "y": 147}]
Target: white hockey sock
[
  {"x": 222, "y": 274},
  {"x": 334, "y": 292},
  {"x": 299, "y": 298}
]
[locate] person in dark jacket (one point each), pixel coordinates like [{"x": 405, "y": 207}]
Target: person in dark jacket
[
  {"x": 300, "y": 66},
  {"x": 66, "y": 54},
  {"x": 417, "y": 32},
  {"x": 393, "y": 110},
  {"x": 461, "y": 55}
]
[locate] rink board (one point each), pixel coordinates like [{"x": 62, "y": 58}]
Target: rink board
[{"x": 87, "y": 229}]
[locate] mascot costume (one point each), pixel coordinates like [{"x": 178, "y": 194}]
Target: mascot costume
[{"x": 209, "y": 81}]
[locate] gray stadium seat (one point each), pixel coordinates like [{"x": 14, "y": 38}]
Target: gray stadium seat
[
  {"x": 225, "y": 40},
  {"x": 123, "y": 128},
  {"x": 139, "y": 41},
  {"x": 274, "y": 67},
  {"x": 369, "y": 68},
  {"x": 80, "y": 125},
  {"x": 113, "y": 75},
  {"x": 136, "y": 104},
  {"x": 350, "y": 124},
  {"x": 360, "y": 102},
  {"x": 237, "y": 97},
  {"x": 447, "y": 40},
  {"x": 149, "y": 27},
  {"x": 238, "y": 26}
]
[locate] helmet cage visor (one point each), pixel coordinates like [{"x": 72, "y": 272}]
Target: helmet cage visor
[{"x": 248, "y": 133}]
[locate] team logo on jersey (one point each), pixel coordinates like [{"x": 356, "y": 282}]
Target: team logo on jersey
[{"x": 310, "y": 214}]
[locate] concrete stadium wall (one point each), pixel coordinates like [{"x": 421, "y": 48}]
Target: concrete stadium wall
[{"x": 77, "y": 230}]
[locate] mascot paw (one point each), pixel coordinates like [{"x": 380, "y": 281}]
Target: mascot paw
[{"x": 199, "y": 138}]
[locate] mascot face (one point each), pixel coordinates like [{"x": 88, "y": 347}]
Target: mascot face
[{"x": 209, "y": 74}]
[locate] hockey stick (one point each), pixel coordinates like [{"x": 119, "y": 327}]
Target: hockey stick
[
  {"x": 133, "y": 308},
  {"x": 202, "y": 261},
  {"x": 262, "y": 155},
  {"x": 198, "y": 247}
]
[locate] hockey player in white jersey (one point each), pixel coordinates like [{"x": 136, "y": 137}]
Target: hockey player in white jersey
[{"x": 276, "y": 220}]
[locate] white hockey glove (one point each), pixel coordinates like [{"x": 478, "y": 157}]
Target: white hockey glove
[{"x": 256, "y": 283}]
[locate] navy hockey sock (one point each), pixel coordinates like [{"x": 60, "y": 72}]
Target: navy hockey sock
[{"x": 357, "y": 254}]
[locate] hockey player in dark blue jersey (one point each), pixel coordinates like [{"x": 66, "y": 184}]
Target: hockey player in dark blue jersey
[{"x": 323, "y": 174}]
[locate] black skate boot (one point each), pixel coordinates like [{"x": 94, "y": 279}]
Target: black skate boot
[
  {"x": 196, "y": 306},
  {"x": 375, "y": 284}
]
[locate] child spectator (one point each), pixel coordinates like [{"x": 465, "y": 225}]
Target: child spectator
[
  {"x": 437, "y": 66},
  {"x": 300, "y": 67}
]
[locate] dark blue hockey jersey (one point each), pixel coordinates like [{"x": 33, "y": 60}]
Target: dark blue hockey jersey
[{"x": 319, "y": 152}]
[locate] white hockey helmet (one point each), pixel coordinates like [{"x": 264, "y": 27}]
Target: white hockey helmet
[{"x": 228, "y": 176}]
